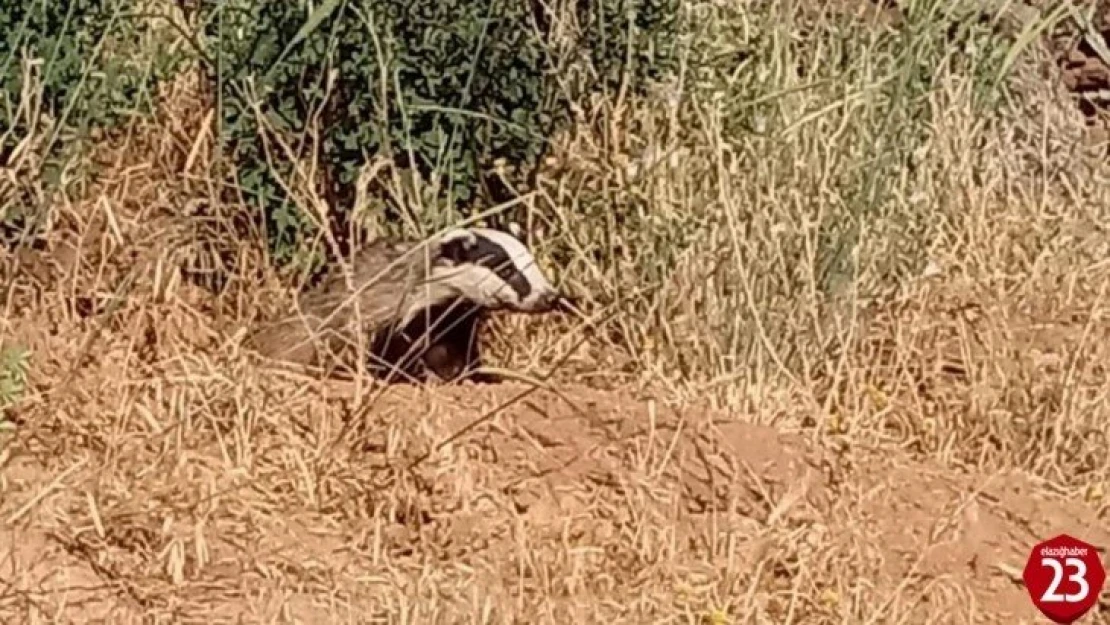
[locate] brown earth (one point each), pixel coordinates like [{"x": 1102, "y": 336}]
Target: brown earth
[
  {"x": 172, "y": 479},
  {"x": 287, "y": 502}
]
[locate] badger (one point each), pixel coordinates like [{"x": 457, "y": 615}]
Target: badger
[{"x": 419, "y": 307}]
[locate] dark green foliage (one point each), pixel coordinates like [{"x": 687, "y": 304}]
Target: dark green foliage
[
  {"x": 444, "y": 87},
  {"x": 91, "y": 76},
  {"x": 67, "y": 35},
  {"x": 646, "y": 28}
]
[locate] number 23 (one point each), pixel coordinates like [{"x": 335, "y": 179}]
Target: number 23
[{"x": 1051, "y": 594}]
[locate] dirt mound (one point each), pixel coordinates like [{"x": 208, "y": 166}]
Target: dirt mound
[{"x": 215, "y": 491}]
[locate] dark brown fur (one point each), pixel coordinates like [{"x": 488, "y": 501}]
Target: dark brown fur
[{"x": 440, "y": 338}]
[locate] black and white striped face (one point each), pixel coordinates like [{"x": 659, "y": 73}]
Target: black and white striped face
[{"x": 496, "y": 270}]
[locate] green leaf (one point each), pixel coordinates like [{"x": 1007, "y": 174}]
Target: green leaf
[{"x": 317, "y": 17}]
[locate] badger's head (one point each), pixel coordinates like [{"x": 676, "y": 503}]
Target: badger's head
[{"x": 495, "y": 270}]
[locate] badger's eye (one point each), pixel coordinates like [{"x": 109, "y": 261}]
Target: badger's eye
[
  {"x": 501, "y": 265},
  {"x": 506, "y": 271}
]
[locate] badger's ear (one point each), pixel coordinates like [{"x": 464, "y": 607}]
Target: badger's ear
[
  {"x": 455, "y": 245},
  {"x": 516, "y": 230}
]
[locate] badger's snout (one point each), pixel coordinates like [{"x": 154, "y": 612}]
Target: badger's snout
[
  {"x": 547, "y": 300},
  {"x": 540, "y": 301}
]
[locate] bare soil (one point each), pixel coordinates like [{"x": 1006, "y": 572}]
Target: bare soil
[{"x": 288, "y": 499}]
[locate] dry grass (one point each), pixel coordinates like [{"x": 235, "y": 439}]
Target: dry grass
[{"x": 846, "y": 380}]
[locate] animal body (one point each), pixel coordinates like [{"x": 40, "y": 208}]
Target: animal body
[{"x": 419, "y": 308}]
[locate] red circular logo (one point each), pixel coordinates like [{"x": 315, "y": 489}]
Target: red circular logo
[{"x": 1064, "y": 577}]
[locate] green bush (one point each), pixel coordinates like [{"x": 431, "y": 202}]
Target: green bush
[
  {"x": 90, "y": 76},
  {"x": 443, "y": 87},
  {"x": 649, "y": 50}
]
